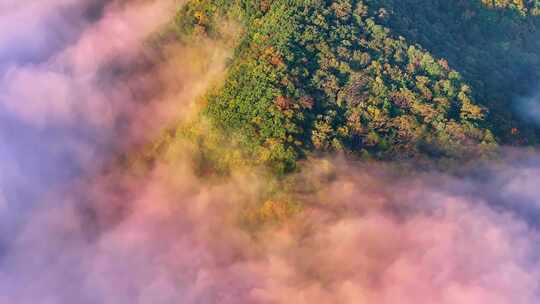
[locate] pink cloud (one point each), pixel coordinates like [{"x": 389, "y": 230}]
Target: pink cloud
[{"x": 171, "y": 238}]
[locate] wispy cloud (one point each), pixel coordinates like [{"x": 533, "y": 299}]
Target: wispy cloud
[{"x": 77, "y": 84}]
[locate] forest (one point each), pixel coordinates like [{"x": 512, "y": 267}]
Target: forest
[{"x": 369, "y": 79}]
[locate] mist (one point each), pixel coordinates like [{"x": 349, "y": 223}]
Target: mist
[
  {"x": 79, "y": 86},
  {"x": 529, "y": 107},
  {"x": 85, "y": 88},
  {"x": 366, "y": 234}
]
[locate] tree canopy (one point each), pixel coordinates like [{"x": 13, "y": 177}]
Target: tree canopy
[{"x": 374, "y": 78}]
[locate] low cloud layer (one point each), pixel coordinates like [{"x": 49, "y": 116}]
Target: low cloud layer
[{"x": 366, "y": 236}]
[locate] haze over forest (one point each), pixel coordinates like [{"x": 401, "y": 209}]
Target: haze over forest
[{"x": 269, "y": 151}]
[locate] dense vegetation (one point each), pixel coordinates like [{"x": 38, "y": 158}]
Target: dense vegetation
[
  {"x": 375, "y": 78},
  {"x": 495, "y": 45}
]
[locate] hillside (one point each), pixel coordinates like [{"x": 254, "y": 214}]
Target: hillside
[{"x": 377, "y": 78}]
